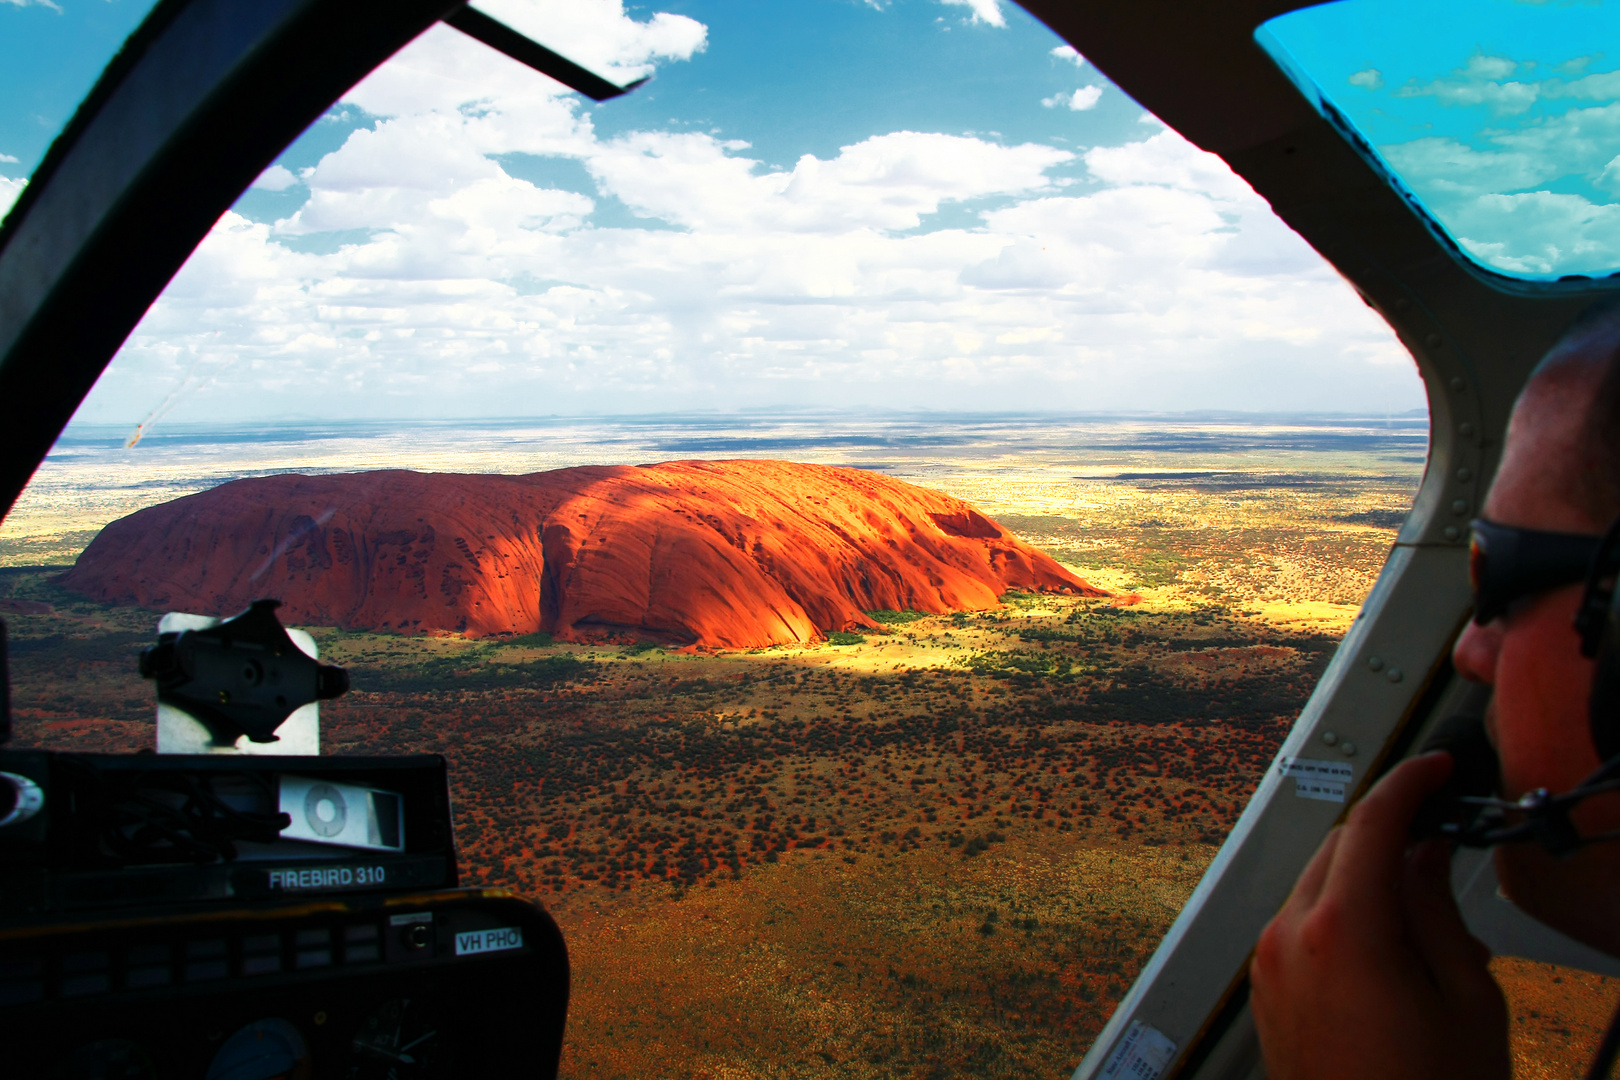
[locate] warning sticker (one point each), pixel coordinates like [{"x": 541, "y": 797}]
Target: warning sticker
[
  {"x": 1143, "y": 1054},
  {"x": 1310, "y": 769},
  {"x": 1325, "y": 790},
  {"x": 482, "y": 941}
]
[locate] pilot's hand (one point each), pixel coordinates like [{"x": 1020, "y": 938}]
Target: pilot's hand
[{"x": 1368, "y": 970}]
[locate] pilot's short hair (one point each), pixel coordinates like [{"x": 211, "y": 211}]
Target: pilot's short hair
[{"x": 1593, "y": 341}]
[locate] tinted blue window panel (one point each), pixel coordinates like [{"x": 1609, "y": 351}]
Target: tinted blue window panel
[
  {"x": 1501, "y": 116},
  {"x": 51, "y": 54}
]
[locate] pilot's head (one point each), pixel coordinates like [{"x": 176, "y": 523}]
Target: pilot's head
[{"x": 1560, "y": 472}]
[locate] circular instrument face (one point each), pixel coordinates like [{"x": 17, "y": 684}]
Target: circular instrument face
[
  {"x": 402, "y": 1040},
  {"x": 20, "y": 799},
  {"x": 325, "y": 810},
  {"x": 267, "y": 1049}
]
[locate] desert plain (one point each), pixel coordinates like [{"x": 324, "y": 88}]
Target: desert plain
[{"x": 944, "y": 849}]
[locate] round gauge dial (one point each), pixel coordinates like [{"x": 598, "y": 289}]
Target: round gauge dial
[
  {"x": 401, "y": 1040},
  {"x": 266, "y": 1049}
]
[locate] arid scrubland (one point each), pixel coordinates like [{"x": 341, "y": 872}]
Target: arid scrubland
[
  {"x": 942, "y": 850},
  {"x": 950, "y": 847}
]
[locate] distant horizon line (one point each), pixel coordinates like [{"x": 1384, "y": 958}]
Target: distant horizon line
[{"x": 784, "y": 412}]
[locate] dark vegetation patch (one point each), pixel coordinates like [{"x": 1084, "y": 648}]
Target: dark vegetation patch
[
  {"x": 472, "y": 670},
  {"x": 654, "y": 775},
  {"x": 1379, "y": 519},
  {"x": 896, "y": 618},
  {"x": 537, "y": 640},
  {"x": 677, "y": 770},
  {"x": 1234, "y": 481}
]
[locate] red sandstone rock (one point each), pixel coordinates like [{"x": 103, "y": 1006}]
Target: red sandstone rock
[{"x": 729, "y": 554}]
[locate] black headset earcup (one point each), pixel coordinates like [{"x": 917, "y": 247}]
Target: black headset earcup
[
  {"x": 1603, "y": 710},
  {"x": 1475, "y": 770}
]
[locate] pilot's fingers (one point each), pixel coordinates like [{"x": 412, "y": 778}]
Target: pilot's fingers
[
  {"x": 1455, "y": 959},
  {"x": 1367, "y": 868}
]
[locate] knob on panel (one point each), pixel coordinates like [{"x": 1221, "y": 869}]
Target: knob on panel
[{"x": 20, "y": 799}]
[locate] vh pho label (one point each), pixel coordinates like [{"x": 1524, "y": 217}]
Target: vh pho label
[{"x": 485, "y": 941}]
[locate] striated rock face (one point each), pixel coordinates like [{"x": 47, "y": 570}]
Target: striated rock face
[{"x": 729, "y": 554}]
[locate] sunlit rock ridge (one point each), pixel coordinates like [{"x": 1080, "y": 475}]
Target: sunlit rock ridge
[{"x": 723, "y": 554}]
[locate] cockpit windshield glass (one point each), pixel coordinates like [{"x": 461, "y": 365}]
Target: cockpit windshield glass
[
  {"x": 1502, "y": 117},
  {"x": 58, "y": 51},
  {"x": 858, "y": 514}
]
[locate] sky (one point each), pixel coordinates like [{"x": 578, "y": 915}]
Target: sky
[
  {"x": 813, "y": 204},
  {"x": 1502, "y": 116}
]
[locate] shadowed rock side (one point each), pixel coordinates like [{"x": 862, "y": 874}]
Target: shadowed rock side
[{"x": 730, "y": 554}]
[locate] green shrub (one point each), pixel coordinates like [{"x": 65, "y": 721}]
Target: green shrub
[
  {"x": 1016, "y": 664},
  {"x": 537, "y": 640},
  {"x": 896, "y": 618},
  {"x": 842, "y": 637},
  {"x": 471, "y": 670}
]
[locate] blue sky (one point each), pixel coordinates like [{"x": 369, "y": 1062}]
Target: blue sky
[
  {"x": 814, "y": 203},
  {"x": 50, "y": 56},
  {"x": 792, "y": 77},
  {"x": 1503, "y": 116}
]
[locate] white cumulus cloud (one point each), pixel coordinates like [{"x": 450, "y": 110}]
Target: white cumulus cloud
[
  {"x": 1539, "y": 232},
  {"x": 276, "y": 178},
  {"x": 1484, "y": 80},
  {"x": 597, "y": 34},
  {"x": 1494, "y": 192},
  {"x": 420, "y": 276},
  {"x": 984, "y": 11},
  {"x": 9, "y": 190},
  {"x": 1082, "y": 99},
  {"x": 885, "y": 182}
]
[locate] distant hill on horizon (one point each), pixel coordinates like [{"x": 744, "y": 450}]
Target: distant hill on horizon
[
  {"x": 723, "y": 554},
  {"x": 765, "y": 428}
]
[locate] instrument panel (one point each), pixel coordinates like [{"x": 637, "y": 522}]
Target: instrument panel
[{"x": 455, "y": 983}]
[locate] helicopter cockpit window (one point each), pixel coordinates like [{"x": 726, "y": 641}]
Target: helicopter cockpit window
[
  {"x": 922, "y": 243},
  {"x": 1501, "y": 117}
]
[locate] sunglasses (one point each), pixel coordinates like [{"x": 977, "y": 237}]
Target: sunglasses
[{"x": 1506, "y": 564}]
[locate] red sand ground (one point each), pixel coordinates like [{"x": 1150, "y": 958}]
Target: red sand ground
[
  {"x": 726, "y": 554},
  {"x": 1556, "y": 1016}
]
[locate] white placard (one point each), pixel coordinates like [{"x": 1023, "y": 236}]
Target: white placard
[
  {"x": 327, "y": 812},
  {"x": 1143, "y": 1054},
  {"x": 178, "y": 732},
  {"x": 1314, "y": 769},
  {"x": 1325, "y": 790},
  {"x": 483, "y": 941}
]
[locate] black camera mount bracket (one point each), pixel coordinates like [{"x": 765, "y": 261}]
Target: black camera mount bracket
[{"x": 245, "y": 676}]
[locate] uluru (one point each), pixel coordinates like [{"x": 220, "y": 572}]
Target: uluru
[{"x": 723, "y": 554}]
